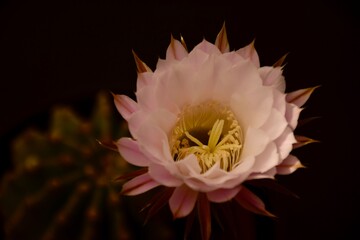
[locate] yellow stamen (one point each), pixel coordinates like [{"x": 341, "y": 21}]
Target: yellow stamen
[{"x": 209, "y": 122}]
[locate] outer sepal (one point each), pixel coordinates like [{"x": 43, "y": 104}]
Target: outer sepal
[{"x": 251, "y": 202}]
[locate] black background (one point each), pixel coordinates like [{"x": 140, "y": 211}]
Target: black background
[{"x": 64, "y": 52}]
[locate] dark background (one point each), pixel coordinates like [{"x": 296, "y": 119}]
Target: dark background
[{"x": 64, "y": 52}]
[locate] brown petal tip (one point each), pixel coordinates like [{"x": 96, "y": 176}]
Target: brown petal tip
[
  {"x": 222, "y": 41},
  {"x": 111, "y": 146},
  {"x": 183, "y": 43},
  {"x": 280, "y": 62},
  {"x": 140, "y": 65},
  {"x": 302, "y": 141}
]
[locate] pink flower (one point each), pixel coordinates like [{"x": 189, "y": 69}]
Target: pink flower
[{"x": 208, "y": 120}]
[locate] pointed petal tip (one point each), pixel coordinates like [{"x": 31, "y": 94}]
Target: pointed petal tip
[
  {"x": 221, "y": 41},
  {"x": 182, "y": 201},
  {"x": 302, "y": 141},
  {"x": 301, "y": 166},
  {"x": 176, "y": 50},
  {"x": 299, "y": 97},
  {"x": 183, "y": 43},
  {"x": 280, "y": 62},
  {"x": 108, "y": 145},
  {"x": 252, "y": 203},
  {"x": 140, "y": 65}
]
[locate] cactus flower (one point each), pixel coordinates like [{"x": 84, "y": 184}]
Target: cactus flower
[{"x": 206, "y": 121}]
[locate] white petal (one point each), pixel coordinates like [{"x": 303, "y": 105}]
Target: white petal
[{"x": 129, "y": 149}]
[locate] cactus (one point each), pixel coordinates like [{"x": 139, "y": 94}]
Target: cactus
[{"x": 61, "y": 186}]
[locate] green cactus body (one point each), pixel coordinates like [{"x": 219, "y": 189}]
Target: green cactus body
[{"x": 61, "y": 186}]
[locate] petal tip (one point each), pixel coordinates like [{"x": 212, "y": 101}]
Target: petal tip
[
  {"x": 140, "y": 65},
  {"x": 222, "y": 41},
  {"x": 280, "y": 62}
]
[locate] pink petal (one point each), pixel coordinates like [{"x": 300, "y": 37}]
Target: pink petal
[
  {"x": 175, "y": 50},
  {"x": 285, "y": 142},
  {"x": 176, "y": 84},
  {"x": 209, "y": 181},
  {"x": 189, "y": 166},
  {"x": 162, "y": 175},
  {"x": 143, "y": 79},
  {"x": 255, "y": 142},
  {"x": 139, "y": 185},
  {"x": 300, "y": 97},
  {"x": 162, "y": 119},
  {"x": 279, "y": 101},
  {"x": 268, "y": 159},
  {"x": 273, "y": 77},
  {"x": 275, "y": 124},
  {"x": 251, "y": 202},
  {"x": 129, "y": 149},
  {"x": 182, "y": 201},
  {"x": 207, "y": 47},
  {"x": 234, "y": 78},
  {"x": 146, "y": 97},
  {"x": 222, "y": 195},
  {"x": 289, "y": 165},
  {"x": 135, "y": 121},
  {"x": 249, "y": 52},
  {"x": 125, "y": 105},
  {"x": 151, "y": 140},
  {"x": 292, "y": 114},
  {"x": 268, "y": 174},
  {"x": 252, "y": 108}
]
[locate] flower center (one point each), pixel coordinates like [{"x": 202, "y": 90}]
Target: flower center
[{"x": 211, "y": 132}]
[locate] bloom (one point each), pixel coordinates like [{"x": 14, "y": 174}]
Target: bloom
[{"x": 208, "y": 120}]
